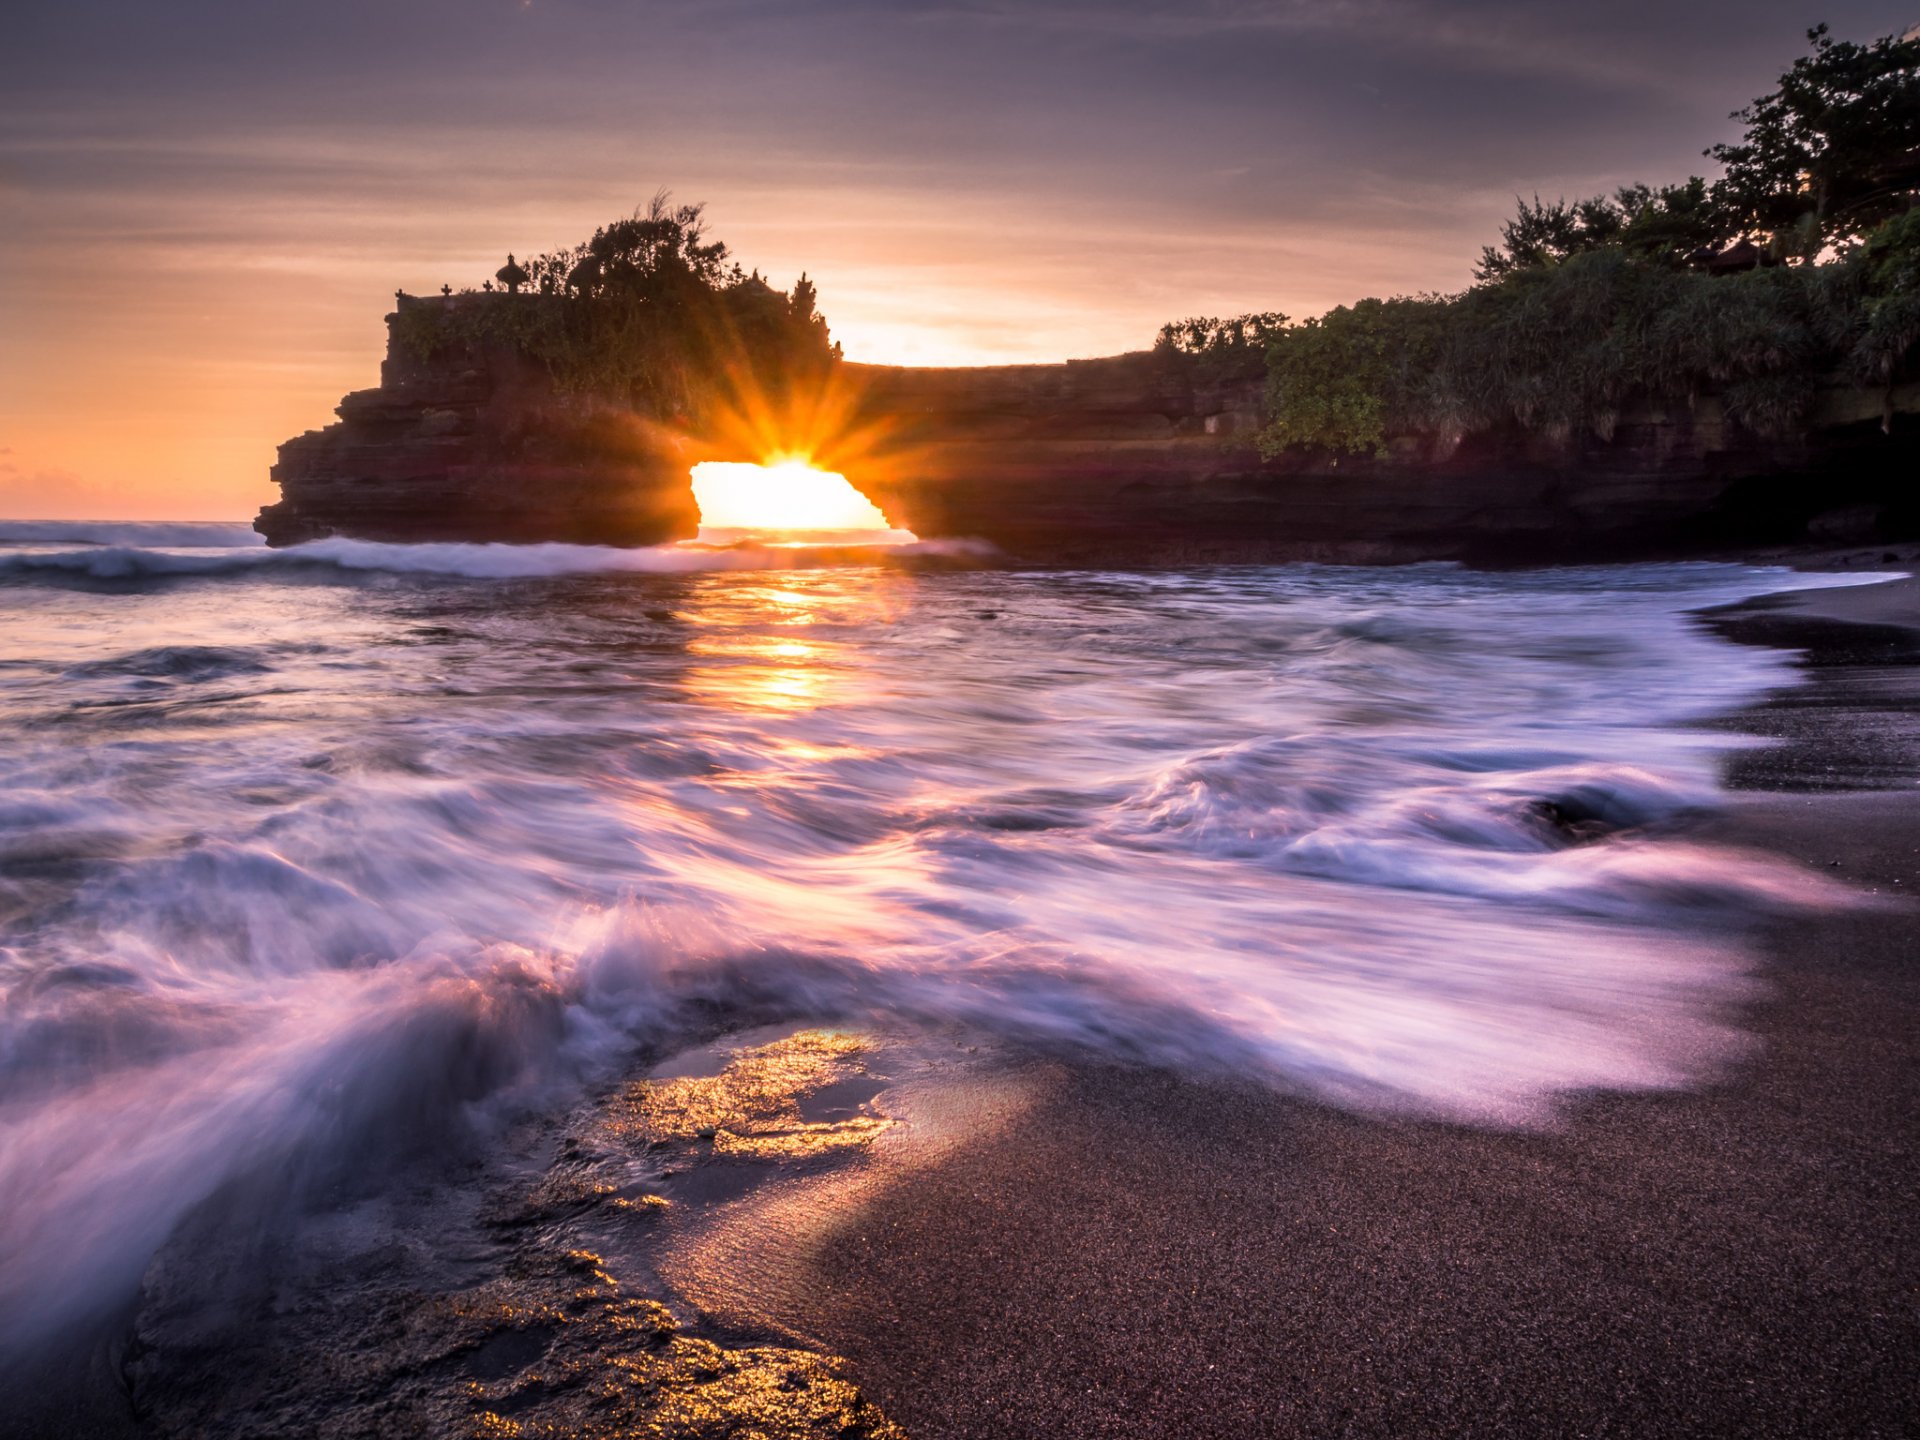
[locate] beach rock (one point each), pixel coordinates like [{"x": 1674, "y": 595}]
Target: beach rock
[
  {"x": 1848, "y": 523},
  {"x": 502, "y": 1305}
]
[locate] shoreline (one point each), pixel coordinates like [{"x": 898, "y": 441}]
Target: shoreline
[{"x": 1140, "y": 1254}]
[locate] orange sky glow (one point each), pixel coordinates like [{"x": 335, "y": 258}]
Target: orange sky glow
[
  {"x": 210, "y": 206},
  {"x": 162, "y": 392}
]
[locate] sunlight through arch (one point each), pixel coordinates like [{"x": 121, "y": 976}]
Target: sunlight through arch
[{"x": 786, "y": 503}]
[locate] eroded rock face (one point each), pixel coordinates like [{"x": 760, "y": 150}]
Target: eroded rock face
[
  {"x": 1141, "y": 458},
  {"x": 477, "y": 445},
  {"x": 1144, "y": 458}
]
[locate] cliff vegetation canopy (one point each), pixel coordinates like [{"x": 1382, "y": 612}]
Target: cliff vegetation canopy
[
  {"x": 1798, "y": 268},
  {"x": 648, "y": 313}
]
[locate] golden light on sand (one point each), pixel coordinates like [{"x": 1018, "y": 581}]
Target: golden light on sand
[{"x": 789, "y": 498}]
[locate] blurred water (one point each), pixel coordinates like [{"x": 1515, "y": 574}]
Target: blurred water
[{"x": 312, "y": 857}]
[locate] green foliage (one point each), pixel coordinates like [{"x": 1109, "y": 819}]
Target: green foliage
[
  {"x": 1830, "y": 154},
  {"x": 1341, "y": 382},
  {"x": 647, "y": 313},
  {"x": 1890, "y": 321},
  {"x": 1210, "y": 335},
  {"x": 1666, "y": 225},
  {"x": 1545, "y": 234},
  {"x": 1230, "y": 348},
  {"x": 1588, "y": 306},
  {"x": 1673, "y": 222},
  {"x": 1560, "y": 350}
]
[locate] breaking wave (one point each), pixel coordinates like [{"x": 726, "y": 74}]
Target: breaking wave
[
  {"x": 107, "y": 560},
  {"x": 204, "y": 534}
]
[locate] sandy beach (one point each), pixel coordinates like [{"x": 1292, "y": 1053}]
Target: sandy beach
[{"x": 1142, "y": 1255}]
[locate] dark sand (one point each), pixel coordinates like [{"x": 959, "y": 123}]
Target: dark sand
[{"x": 1143, "y": 1256}]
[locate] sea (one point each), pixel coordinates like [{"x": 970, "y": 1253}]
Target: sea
[{"x": 306, "y": 853}]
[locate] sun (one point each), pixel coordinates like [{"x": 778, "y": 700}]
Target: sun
[{"x": 787, "y": 500}]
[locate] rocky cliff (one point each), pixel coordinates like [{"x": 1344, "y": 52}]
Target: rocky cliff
[
  {"x": 476, "y": 444},
  {"x": 1136, "y": 458}
]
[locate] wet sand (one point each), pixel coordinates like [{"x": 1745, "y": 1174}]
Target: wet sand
[{"x": 1144, "y": 1256}]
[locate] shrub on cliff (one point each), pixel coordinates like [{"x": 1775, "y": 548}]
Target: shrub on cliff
[
  {"x": 1889, "y": 327},
  {"x": 1585, "y": 308},
  {"x": 1348, "y": 379},
  {"x": 1560, "y": 350},
  {"x": 647, "y": 313}
]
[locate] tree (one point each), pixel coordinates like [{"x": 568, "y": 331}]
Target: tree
[
  {"x": 1889, "y": 330},
  {"x": 650, "y": 254},
  {"x": 1833, "y": 152},
  {"x": 1673, "y": 222},
  {"x": 1208, "y": 335},
  {"x": 1545, "y": 234},
  {"x": 649, "y": 313},
  {"x": 1667, "y": 224}
]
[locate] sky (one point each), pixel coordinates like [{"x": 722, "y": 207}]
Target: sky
[{"x": 206, "y": 205}]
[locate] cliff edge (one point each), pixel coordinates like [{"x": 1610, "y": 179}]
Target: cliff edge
[{"x": 1139, "y": 458}]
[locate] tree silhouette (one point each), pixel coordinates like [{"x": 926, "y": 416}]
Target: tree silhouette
[{"x": 1834, "y": 151}]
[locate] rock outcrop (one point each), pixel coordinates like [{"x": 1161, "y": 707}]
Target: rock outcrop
[
  {"x": 1137, "y": 458},
  {"x": 476, "y": 444},
  {"x": 1141, "y": 457}
]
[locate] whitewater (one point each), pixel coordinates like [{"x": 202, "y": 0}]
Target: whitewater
[{"x": 320, "y": 856}]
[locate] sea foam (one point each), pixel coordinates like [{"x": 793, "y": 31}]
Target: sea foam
[
  {"x": 305, "y": 880},
  {"x": 108, "y": 559}
]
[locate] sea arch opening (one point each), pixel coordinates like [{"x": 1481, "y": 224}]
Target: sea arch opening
[{"x": 789, "y": 502}]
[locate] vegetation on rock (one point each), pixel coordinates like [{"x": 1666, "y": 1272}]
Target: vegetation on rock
[
  {"x": 1799, "y": 268},
  {"x": 1559, "y": 350},
  {"x": 648, "y": 313},
  {"x": 1237, "y": 343}
]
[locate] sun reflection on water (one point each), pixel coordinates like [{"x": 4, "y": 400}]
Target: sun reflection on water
[{"x": 771, "y": 645}]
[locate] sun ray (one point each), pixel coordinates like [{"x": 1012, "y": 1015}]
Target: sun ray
[{"x": 786, "y": 502}]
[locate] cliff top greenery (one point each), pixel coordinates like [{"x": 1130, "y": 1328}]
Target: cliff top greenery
[
  {"x": 648, "y": 313},
  {"x": 1798, "y": 268}
]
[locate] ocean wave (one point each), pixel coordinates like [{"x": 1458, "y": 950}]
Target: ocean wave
[
  {"x": 188, "y": 663},
  {"x": 199, "y": 534},
  {"x": 105, "y": 561}
]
